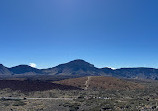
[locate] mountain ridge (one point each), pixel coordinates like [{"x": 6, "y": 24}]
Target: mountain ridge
[
  {"x": 21, "y": 69},
  {"x": 83, "y": 68},
  {"x": 74, "y": 67},
  {"x": 4, "y": 70}
]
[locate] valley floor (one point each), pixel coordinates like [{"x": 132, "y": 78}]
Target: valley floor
[{"x": 82, "y": 100}]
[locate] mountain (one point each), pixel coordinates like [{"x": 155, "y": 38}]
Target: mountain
[
  {"x": 25, "y": 69},
  {"x": 134, "y": 73},
  {"x": 4, "y": 70},
  {"x": 140, "y": 72},
  {"x": 82, "y": 68},
  {"x": 100, "y": 82},
  {"x": 76, "y": 67}
]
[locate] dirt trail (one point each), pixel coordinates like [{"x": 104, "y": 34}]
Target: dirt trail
[{"x": 87, "y": 83}]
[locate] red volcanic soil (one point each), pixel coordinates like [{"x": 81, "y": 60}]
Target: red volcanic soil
[
  {"x": 100, "y": 82},
  {"x": 27, "y": 86}
]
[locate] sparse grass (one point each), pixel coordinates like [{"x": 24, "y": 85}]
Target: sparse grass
[{"x": 121, "y": 100}]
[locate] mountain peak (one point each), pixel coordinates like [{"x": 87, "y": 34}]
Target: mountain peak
[
  {"x": 21, "y": 69},
  {"x": 23, "y": 65},
  {"x": 1, "y": 65},
  {"x": 79, "y": 62},
  {"x": 75, "y": 67},
  {"x": 4, "y": 70}
]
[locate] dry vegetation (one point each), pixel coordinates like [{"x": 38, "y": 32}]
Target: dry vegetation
[
  {"x": 101, "y": 82},
  {"x": 122, "y": 99}
]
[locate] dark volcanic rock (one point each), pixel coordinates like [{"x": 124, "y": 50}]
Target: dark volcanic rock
[{"x": 28, "y": 86}]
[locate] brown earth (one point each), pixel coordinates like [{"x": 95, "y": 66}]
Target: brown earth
[{"x": 100, "y": 82}]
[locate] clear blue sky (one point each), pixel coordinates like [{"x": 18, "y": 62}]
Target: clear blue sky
[{"x": 114, "y": 33}]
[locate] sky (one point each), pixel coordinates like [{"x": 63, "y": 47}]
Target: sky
[{"x": 106, "y": 33}]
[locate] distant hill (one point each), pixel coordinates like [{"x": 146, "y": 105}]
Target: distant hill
[
  {"x": 25, "y": 69},
  {"x": 4, "y": 70},
  {"x": 135, "y": 73},
  {"x": 100, "y": 82},
  {"x": 82, "y": 68}
]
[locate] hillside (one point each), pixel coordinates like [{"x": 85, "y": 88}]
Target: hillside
[
  {"x": 139, "y": 73},
  {"x": 76, "y": 67},
  {"x": 100, "y": 82},
  {"x": 25, "y": 69},
  {"x": 4, "y": 70}
]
